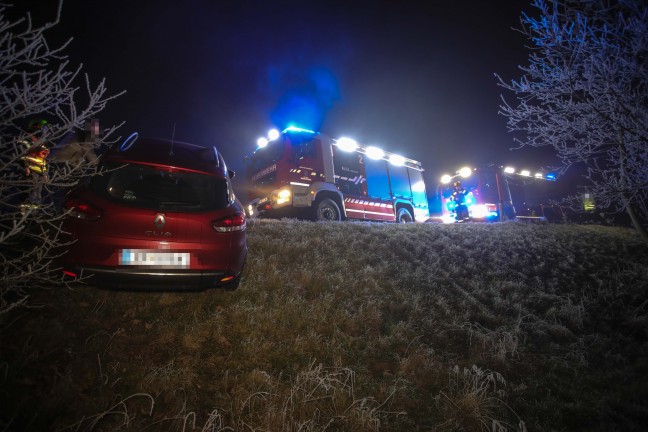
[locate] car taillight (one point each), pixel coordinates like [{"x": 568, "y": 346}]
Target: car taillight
[
  {"x": 82, "y": 210},
  {"x": 234, "y": 222}
]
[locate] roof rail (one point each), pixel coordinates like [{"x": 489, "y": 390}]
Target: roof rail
[{"x": 216, "y": 156}]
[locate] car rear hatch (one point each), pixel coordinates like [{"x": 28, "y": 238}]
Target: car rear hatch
[{"x": 157, "y": 217}]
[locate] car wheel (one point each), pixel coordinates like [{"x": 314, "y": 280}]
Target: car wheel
[
  {"x": 404, "y": 216},
  {"x": 327, "y": 210}
]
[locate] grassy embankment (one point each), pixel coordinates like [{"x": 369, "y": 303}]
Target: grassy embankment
[{"x": 353, "y": 327}]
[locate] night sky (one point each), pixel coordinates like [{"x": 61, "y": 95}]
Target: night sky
[{"x": 416, "y": 78}]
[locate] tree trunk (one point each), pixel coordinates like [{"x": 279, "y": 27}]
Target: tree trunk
[
  {"x": 636, "y": 222},
  {"x": 626, "y": 202}
]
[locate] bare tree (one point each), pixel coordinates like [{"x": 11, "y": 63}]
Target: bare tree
[
  {"x": 585, "y": 92},
  {"x": 36, "y": 82}
]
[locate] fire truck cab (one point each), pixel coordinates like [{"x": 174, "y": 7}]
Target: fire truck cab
[{"x": 302, "y": 173}]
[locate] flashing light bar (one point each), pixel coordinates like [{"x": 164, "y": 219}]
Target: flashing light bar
[
  {"x": 526, "y": 173},
  {"x": 346, "y": 144},
  {"x": 374, "y": 153},
  {"x": 273, "y": 134},
  {"x": 349, "y": 145},
  {"x": 464, "y": 172},
  {"x": 297, "y": 129}
]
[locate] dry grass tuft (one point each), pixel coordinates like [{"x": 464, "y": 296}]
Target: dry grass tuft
[{"x": 471, "y": 403}]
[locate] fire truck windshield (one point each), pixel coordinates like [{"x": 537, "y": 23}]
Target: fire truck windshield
[{"x": 264, "y": 158}]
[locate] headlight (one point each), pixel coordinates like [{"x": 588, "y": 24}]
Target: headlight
[
  {"x": 479, "y": 211},
  {"x": 283, "y": 196}
]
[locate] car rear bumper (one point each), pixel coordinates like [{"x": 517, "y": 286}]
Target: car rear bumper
[{"x": 151, "y": 279}]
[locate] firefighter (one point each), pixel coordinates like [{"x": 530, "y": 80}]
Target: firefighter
[
  {"x": 459, "y": 197},
  {"x": 78, "y": 147},
  {"x": 35, "y": 160}
]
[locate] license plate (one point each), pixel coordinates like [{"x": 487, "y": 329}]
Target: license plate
[{"x": 154, "y": 258}]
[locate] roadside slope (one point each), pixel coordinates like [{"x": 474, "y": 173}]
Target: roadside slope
[{"x": 355, "y": 327}]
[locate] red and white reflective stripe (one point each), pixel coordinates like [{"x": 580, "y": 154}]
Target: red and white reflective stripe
[
  {"x": 368, "y": 203},
  {"x": 378, "y": 213},
  {"x": 355, "y": 180}
]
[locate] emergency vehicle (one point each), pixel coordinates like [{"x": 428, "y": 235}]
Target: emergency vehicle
[
  {"x": 302, "y": 173},
  {"x": 497, "y": 193}
]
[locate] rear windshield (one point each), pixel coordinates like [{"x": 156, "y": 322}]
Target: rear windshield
[{"x": 147, "y": 187}]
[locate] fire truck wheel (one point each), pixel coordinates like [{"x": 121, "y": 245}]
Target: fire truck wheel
[
  {"x": 327, "y": 210},
  {"x": 404, "y": 216}
]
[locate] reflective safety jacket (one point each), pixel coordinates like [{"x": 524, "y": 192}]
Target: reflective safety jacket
[
  {"x": 36, "y": 159},
  {"x": 459, "y": 195}
]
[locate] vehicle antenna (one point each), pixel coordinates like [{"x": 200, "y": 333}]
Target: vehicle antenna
[{"x": 172, "y": 139}]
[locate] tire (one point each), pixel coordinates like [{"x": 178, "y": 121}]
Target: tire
[
  {"x": 327, "y": 210},
  {"x": 404, "y": 216}
]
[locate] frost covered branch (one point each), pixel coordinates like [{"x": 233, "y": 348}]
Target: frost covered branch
[
  {"x": 37, "y": 82},
  {"x": 585, "y": 93}
]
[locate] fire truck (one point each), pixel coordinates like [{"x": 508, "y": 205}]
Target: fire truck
[
  {"x": 497, "y": 193},
  {"x": 305, "y": 174}
]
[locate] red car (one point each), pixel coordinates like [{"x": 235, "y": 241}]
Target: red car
[{"x": 161, "y": 214}]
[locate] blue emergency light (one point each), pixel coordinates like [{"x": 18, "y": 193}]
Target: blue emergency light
[{"x": 297, "y": 129}]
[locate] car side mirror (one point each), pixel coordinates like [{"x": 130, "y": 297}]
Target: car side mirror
[{"x": 231, "y": 174}]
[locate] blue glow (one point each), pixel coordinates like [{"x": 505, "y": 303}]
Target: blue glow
[
  {"x": 128, "y": 142},
  {"x": 470, "y": 199},
  {"x": 551, "y": 176},
  {"x": 297, "y": 129},
  {"x": 305, "y": 95},
  {"x": 451, "y": 206}
]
